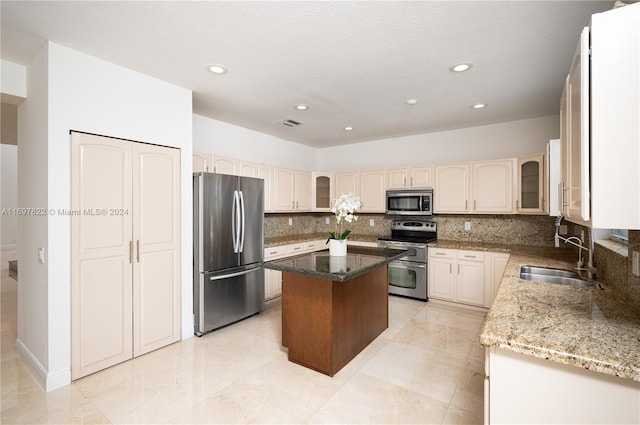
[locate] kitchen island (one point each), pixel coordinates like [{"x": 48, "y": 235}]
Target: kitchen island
[{"x": 333, "y": 307}]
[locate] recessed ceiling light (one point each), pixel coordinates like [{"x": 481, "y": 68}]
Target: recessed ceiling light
[
  {"x": 348, "y": 128},
  {"x": 217, "y": 69},
  {"x": 411, "y": 101},
  {"x": 479, "y": 106},
  {"x": 302, "y": 107},
  {"x": 461, "y": 67}
]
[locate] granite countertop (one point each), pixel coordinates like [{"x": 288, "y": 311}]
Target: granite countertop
[
  {"x": 305, "y": 237},
  {"x": 320, "y": 264},
  {"x": 583, "y": 327}
]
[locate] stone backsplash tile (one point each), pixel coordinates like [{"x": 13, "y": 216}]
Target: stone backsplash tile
[
  {"x": 507, "y": 229},
  {"x": 634, "y": 281},
  {"x": 531, "y": 230}
]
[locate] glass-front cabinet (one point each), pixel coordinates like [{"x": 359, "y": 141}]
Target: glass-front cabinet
[
  {"x": 531, "y": 196},
  {"x": 322, "y": 191}
]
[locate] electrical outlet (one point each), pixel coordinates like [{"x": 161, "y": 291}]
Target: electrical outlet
[
  {"x": 290, "y": 222},
  {"x": 371, "y": 222},
  {"x": 327, "y": 220},
  {"x": 41, "y": 255},
  {"x": 635, "y": 263},
  {"x": 467, "y": 225}
]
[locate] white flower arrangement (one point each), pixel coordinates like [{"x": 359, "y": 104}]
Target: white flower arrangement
[{"x": 344, "y": 208}]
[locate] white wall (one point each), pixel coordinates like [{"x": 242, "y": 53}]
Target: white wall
[
  {"x": 90, "y": 95},
  {"x": 220, "y": 138},
  {"x": 497, "y": 141},
  {"x": 9, "y": 195},
  {"x": 33, "y": 290},
  {"x": 13, "y": 80}
]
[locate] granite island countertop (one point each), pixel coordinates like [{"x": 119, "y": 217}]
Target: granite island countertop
[
  {"x": 320, "y": 264},
  {"x": 305, "y": 237},
  {"x": 583, "y": 327}
]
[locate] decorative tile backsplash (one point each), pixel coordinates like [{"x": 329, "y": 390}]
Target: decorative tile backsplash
[
  {"x": 533, "y": 230},
  {"x": 507, "y": 229}
]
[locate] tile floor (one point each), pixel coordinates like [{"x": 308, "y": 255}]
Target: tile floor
[{"x": 426, "y": 368}]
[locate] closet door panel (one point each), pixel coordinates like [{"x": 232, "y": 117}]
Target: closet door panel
[
  {"x": 156, "y": 233},
  {"x": 101, "y": 269}
]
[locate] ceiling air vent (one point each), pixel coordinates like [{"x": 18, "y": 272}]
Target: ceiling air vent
[{"x": 290, "y": 123}]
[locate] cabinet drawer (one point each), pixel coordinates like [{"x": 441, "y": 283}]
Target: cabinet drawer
[
  {"x": 471, "y": 255},
  {"x": 442, "y": 253},
  {"x": 276, "y": 252}
]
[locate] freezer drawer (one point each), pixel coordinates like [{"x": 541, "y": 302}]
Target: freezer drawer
[{"x": 221, "y": 299}]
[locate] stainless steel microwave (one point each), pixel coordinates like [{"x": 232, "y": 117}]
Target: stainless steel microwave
[{"x": 410, "y": 202}]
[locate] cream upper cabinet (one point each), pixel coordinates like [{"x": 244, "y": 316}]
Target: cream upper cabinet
[
  {"x": 531, "y": 182},
  {"x": 398, "y": 178},
  {"x": 373, "y": 190},
  {"x": 247, "y": 169},
  {"x": 302, "y": 190},
  {"x": 201, "y": 162},
  {"x": 575, "y": 136},
  {"x": 223, "y": 165},
  {"x": 291, "y": 190},
  {"x": 265, "y": 172},
  {"x": 347, "y": 183},
  {"x": 322, "y": 191},
  {"x": 283, "y": 189},
  {"x": 405, "y": 178},
  {"x": 421, "y": 177},
  {"x": 451, "y": 190},
  {"x": 493, "y": 187},
  {"x": 615, "y": 123}
]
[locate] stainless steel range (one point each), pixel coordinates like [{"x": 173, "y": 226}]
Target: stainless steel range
[{"x": 408, "y": 276}]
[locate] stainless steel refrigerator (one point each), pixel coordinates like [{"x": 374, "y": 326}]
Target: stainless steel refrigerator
[{"x": 228, "y": 278}]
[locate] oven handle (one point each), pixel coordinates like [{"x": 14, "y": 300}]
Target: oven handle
[
  {"x": 407, "y": 265},
  {"x": 402, "y": 245}
]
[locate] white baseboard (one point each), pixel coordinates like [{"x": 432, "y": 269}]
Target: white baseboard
[{"x": 48, "y": 381}]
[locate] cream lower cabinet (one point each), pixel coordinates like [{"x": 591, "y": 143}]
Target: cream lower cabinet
[
  {"x": 464, "y": 276},
  {"x": 273, "y": 278},
  {"x": 524, "y": 389},
  {"x": 458, "y": 276},
  {"x": 125, "y": 250}
]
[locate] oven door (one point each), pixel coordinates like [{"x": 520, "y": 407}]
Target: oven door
[{"x": 408, "y": 279}]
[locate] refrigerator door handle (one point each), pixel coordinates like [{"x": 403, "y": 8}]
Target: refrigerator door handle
[
  {"x": 242, "y": 225},
  {"x": 226, "y": 276},
  {"x": 235, "y": 218}
]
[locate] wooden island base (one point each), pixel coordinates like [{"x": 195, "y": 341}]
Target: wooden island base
[{"x": 326, "y": 323}]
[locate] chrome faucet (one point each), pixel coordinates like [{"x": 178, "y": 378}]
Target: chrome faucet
[{"x": 576, "y": 241}]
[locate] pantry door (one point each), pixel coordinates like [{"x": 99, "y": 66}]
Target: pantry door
[
  {"x": 101, "y": 253},
  {"x": 156, "y": 234}
]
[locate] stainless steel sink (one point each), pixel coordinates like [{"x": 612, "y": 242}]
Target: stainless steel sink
[
  {"x": 560, "y": 277},
  {"x": 548, "y": 272}
]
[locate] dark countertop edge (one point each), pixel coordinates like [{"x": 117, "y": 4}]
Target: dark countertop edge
[{"x": 341, "y": 277}]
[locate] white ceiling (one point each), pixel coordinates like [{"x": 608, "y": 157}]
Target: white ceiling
[{"x": 353, "y": 63}]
